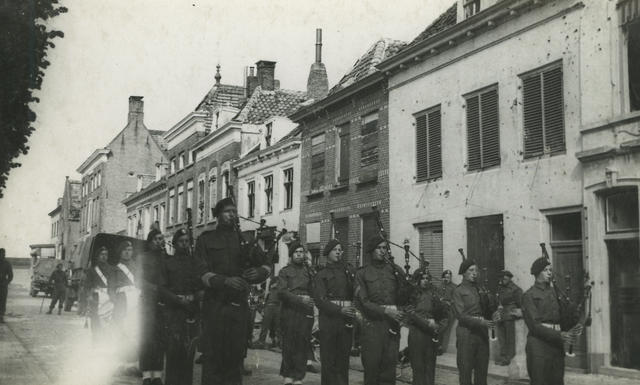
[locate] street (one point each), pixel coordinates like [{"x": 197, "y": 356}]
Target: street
[{"x": 36, "y": 348}]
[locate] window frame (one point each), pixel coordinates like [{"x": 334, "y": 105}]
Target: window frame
[
  {"x": 251, "y": 198},
  {"x": 426, "y": 113},
  {"x": 268, "y": 194},
  {"x": 288, "y": 187},
  {"x": 481, "y": 128}
]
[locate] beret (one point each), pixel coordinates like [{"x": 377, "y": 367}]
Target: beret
[
  {"x": 539, "y": 265},
  {"x": 217, "y": 210},
  {"x": 330, "y": 246},
  {"x": 465, "y": 265},
  {"x": 373, "y": 242}
]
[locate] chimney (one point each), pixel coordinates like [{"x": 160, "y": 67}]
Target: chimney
[
  {"x": 318, "y": 83},
  {"x": 266, "y": 71},
  {"x": 136, "y": 108},
  {"x": 252, "y": 82}
]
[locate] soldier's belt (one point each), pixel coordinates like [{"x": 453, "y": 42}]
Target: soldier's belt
[
  {"x": 477, "y": 317},
  {"x": 304, "y": 296},
  {"x": 394, "y": 307},
  {"x": 341, "y": 303},
  {"x": 551, "y": 326}
]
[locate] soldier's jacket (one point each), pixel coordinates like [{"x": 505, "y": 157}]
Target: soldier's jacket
[
  {"x": 293, "y": 281},
  {"x": 448, "y": 290},
  {"x": 218, "y": 252},
  {"x": 380, "y": 284},
  {"x": 120, "y": 279},
  {"x": 6, "y": 272},
  {"x": 334, "y": 282},
  {"x": 427, "y": 305},
  {"x": 466, "y": 304},
  {"x": 59, "y": 280},
  {"x": 93, "y": 280},
  {"x": 181, "y": 273},
  {"x": 510, "y": 296},
  {"x": 540, "y": 305},
  {"x": 272, "y": 298}
]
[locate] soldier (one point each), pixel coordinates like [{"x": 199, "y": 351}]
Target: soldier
[
  {"x": 59, "y": 280},
  {"x": 545, "y": 342},
  {"x": 271, "y": 318},
  {"x": 182, "y": 281},
  {"x": 428, "y": 318},
  {"x": 6, "y": 276},
  {"x": 447, "y": 288},
  {"x": 381, "y": 288},
  {"x": 296, "y": 314},
  {"x": 509, "y": 295},
  {"x": 472, "y": 331},
  {"x": 226, "y": 267},
  {"x": 333, "y": 294}
]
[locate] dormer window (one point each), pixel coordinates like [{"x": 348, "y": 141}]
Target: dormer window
[
  {"x": 471, "y": 7},
  {"x": 267, "y": 136}
]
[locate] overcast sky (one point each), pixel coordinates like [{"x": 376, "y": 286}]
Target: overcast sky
[{"x": 166, "y": 51}]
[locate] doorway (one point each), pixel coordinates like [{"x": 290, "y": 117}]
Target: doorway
[{"x": 485, "y": 244}]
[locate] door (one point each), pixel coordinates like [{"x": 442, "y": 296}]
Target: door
[{"x": 485, "y": 244}]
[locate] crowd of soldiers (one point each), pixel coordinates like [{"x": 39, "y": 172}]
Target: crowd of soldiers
[{"x": 198, "y": 300}]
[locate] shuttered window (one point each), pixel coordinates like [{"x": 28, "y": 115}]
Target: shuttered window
[
  {"x": 430, "y": 236},
  {"x": 483, "y": 130},
  {"x": 369, "y": 147},
  {"x": 343, "y": 141},
  {"x": 428, "y": 145},
  {"x": 543, "y": 108},
  {"x": 317, "y": 161}
]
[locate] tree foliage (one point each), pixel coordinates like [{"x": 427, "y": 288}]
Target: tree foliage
[{"x": 24, "y": 42}]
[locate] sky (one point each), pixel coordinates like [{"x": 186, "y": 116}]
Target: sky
[{"x": 167, "y": 51}]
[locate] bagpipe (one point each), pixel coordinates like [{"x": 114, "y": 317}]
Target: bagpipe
[
  {"x": 573, "y": 315},
  {"x": 489, "y": 303}
]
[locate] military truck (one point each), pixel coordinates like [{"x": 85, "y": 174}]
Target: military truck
[{"x": 41, "y": 272}]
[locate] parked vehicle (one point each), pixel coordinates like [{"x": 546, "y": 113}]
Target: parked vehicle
[{"x": 40, "y": 276}]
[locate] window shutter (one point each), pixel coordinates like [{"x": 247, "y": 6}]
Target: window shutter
[
  {"x": 435, "y": 144},
  {"x": 474, "y": 147},
  {"x": 422, "y": 153},
  {"x": 553, "y": 110},
  {"x": 532, "y": 100},
  {"x": 369, "y": 147},
  {"x": 490, "y": 129},
  {"x": 345, "y": 141},
  {"x": 317, "y": 161}
]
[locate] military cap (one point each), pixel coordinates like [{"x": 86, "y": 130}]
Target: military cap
[
  {"x": 330, "y": 246},
  {"x": 465, "y": 265},
  {"x": 446, "y": 272},
  {"x": 420, "y": 274},
  {"x": 539, "y": 265},
  {"x": 293, "y": 246},
  {"x": 506, "y": 273},
  {"x": 152, "y": 234},
  {"x": 178, "y": 234},
  {"x": 373, "y": 242},
  {"x": 221, "y": 205}
]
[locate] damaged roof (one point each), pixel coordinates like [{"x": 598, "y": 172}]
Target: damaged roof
[
  {"x": 264, "y": 104},
  {"x": 446, "y": 20}
]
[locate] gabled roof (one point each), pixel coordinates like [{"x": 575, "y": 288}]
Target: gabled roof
[
  {"x": 222, "y": 95},
  {"x": 264, "y": 104},
  {"x": 366, "y": 64},
  {"x": 446, "y": 20}
]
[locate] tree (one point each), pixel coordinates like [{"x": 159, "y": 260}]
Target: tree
[{"x": 24, "y": 41}]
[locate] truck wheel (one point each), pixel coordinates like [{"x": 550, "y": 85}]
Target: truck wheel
[{"x": 33, "y": 293}]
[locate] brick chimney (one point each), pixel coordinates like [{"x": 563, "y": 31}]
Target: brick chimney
[
  {"x": 266, "y": 72},
  {"x": 252, "y": 82},
  {"x": 318, "y": 83},
  {"x": 136, "y": 109}
]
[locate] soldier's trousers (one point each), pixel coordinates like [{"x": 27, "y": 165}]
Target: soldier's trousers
[
  {"x": 422, "y": 354},
  {"x": 4, "y": 289},
  {"x": 224, "y": 341},
  {"x": 180, "y": 347},
  {"x": 152, "y": 337},
  {"x": 57, "y": 297},
  {"x": 379, "y": 352},
  {"x": 473, "y": 356},
  {"x": 335, "y": 346},
  {"x": 296, "y": 341},
  {"x": 506, "y": 332},
  {"x": 545, "y": 362},
  {"x": 270, "y": 323}
]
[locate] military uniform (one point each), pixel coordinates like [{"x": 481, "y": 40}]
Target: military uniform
[
  {"x": 225, "y": 312},
  {"x": 334, "y": 287},
  {"x": 271, "y": 319},
  {"x": 181, "y": 280},
  {"x": 59, "y": 280},
  {"x": 296, "y": 319},
  {"x": 422, "y": 349},
  {"x": 510, "y": 296},
  {"x": 545, "y": 346},
  {"x": 445, "y": 334},
  {"x": 380, "y": 285},
  {"x": 97, "y": 286},
  {"x": 472, "y": 338},
  {"x": 6, "y": 276}
]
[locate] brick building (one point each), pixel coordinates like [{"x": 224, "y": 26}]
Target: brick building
[
  {"x": 56, "y": 228},
  {"x": 344, "y": 163},
  {"x": 541, "y": 148},
  {"x": 147, "y": 207},
  {"x": 110, "y": 174}
]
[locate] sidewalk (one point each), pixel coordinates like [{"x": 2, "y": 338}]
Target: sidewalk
[{"x": 17, "y": 364}]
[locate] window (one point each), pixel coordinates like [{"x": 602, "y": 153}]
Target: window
[
  {"x": 317, "y": 161},
  {"x": 622, "y": 211},
  {"x": 267, "y": 137},
  {"x": 172, "y": 206},
  {"x": 213, "y": 193},
  {"x": 156, "y": 214},
  {"x": 181, "y": 161},
  {"x": 268, "y": 194},
  {"x": 471, "y": 7},
  {"x": 543, "y": 110},
  {"x": 369, "y": 147},
  {"x": 173, "y": 165},
  {"x": 343, "y": 141},
  {"x": 483, "y": 130},
  {"x": 99, "y": 178},
  {"x": 180, "y": 203},
  {"x": 147, "y": 220},
  {"x": 288, "y": 188},
  {"x": 190, "y": 157},
  {"x": 226, "y": 184},
  {"x": 251, "y": 198},
  {"x": 428, "y": 145},
  {"x": 201, "y": 199},
  {"x": 190, "y": 194},
  {"x": 633, "y": 61},
  {"x": 161, "y": 217}
]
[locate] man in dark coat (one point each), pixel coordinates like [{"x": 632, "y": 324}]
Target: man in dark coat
[
  {"x": 333, "y": 294},
  {"x": 545, "y": 342},
  {"x": 6, "y": 276},
  {"x": 296, "y": 315},
  {"x": 472, "y": 332},
  {"x": 509, "y": 296},
  {"x": 59, "y": 281},
  {"x": 381, "y": 288},
  {"x": 226, "y": 267}
]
